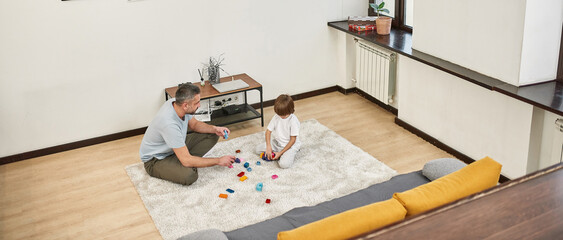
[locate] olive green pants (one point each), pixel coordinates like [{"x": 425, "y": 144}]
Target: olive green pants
[{"x": 170, "y": 168}]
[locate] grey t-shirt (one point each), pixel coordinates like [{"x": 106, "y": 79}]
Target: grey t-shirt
[{"x": 165, "y": 132}]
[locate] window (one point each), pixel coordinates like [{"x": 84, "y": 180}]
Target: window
[
  {"x": 560, "y": 65},
  {"x": 400, "y": 10},
  {"x": 408, "y": 12}
]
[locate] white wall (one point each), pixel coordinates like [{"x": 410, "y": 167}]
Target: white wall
[
  {"x": 471, "y": 119},
  {"x": 80, "y": 69},
  {"x": 548, "y": 140},
  {"x": 515, "y": 41},
  {"x": 541, "y": 41},
  {"x": 482, "y": 35}
]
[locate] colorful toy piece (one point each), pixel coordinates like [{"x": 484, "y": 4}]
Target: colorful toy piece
[
  {"x": 268, "y": 201},
  {"x": 246, "y": 165},
  {"x": 243, "y": 178},
  {"x": 258, "y": 163},
  {"x": 259, "y": 187},
  {"x": 226, "y": 136},
  {"x": 240, "y": 174},
  {"x": 230, "y": 190},
  {"x": 241, "y": 159},
  {"x": 231, "y": 166},
  {"x": 237, "y": 160},
  {"x": 237, "y": 151},
  {"x": 263, "y": 156},
  {"x": 274, "y": 176},
  {"x": 249, "y": 169},
  {"x": 225, "y": 196}
]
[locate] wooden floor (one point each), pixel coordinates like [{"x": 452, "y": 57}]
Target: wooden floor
[{"x": 86, "y": 193}]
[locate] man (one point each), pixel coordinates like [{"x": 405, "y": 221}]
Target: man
[{"x": 166, "y": 150}]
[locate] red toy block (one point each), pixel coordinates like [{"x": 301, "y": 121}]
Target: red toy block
[
  {"x": 238, "y": 151},
  {"x": 240, "y": 174},
  {"x": 268, "y": 201}
]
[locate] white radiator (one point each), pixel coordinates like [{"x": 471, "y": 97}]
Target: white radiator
[{"x": 375, "y": 72}]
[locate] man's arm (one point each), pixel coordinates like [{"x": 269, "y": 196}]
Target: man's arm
[
  {"x": 189, "y": 160},
  {"x": 202, "y": 127}
]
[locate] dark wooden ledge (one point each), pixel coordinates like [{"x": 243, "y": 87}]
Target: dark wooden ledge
[
  {"x": 529, "y": 207},
  {"x": 547, "y": 95}
]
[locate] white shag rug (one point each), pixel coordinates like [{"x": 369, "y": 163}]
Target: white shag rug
[{"x": 327, "y": 166}]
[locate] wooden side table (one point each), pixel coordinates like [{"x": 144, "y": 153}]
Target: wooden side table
[{"x": 218, "y": 117}]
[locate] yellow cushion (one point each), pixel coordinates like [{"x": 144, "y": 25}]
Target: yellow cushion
[
  {"x": 473, "y": 178},
  {"x": 349, "y": 223}
]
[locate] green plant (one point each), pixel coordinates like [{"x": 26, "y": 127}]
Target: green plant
[{"x": 379, "y": 8}]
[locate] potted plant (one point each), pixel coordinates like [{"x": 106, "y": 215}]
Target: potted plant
[
  {"x": 382, "y": 23},
  {"x": 214, "y": 69}
]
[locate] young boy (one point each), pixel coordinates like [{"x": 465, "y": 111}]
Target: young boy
[{"x": 282, "y": 132}]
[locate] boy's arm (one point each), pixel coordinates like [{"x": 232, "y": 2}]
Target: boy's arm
[
  {"x": 292, "y": 140},
  {"x": 268, "y": 144}
]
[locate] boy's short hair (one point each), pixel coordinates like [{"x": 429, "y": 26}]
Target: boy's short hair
[{"x": 284, "y": 105}]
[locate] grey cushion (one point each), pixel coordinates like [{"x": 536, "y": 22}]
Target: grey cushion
[
  {"x": 303, "y": 215},
  {"x": 441, "y": 167},
  {"x": 208, "y": 234}
]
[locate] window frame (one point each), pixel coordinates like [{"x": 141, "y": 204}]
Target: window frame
[
  {"x": 399, "y": 19},
  {"x": 559, "y": 76}
]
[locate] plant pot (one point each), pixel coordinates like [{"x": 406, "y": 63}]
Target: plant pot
[
  {"x": 214, "y": 75},
  {"x": 383, "y": 25}
]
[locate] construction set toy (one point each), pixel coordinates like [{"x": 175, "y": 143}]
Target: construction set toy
[
  {"x": 265, "y": 158},
  {"x": 246, "y": 165},
  {"x": 226, "y": 136},
  {"x": 259, "y": 187}
]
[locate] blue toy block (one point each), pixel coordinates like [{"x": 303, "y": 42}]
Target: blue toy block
[
  {"x": 226, "y": 136},
  {"x": 230, "y": 190},
  {"x": 246, "y": 164},
  {"x": 259, "y": 187},
  {"x": 237, "y": 160},
  {"x": 249, "y": 169},
  {"x": 258, "y": 163}
]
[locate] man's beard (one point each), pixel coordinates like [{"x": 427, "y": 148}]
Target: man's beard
[{"x": 192, "y": 112}]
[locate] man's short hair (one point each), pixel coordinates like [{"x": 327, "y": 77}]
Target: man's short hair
[
  {"x": 186, "y": 92},
  {"x": 284, "y": 105}
]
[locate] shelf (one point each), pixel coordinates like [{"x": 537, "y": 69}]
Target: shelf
[{"x": 219, "y": 118}]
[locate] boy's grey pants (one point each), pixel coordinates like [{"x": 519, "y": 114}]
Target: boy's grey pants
[{"x": 170, "y": 168}]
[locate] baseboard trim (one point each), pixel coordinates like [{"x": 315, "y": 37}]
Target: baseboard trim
[
  {"x": 129, "y": 133},
  {"x": 389, "y": 108},
  {"x": 346, "y": 91},
  {"x": 71, "y": 146},
  {"x": 361, "y": 93},
  {"x": 295, "y": 97},
  {"x": 139, "y": 131},
  {"x": 441, "y": 145}
]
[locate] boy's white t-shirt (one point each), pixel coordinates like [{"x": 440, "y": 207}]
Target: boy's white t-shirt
[{"x": 282, "y": 130}]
